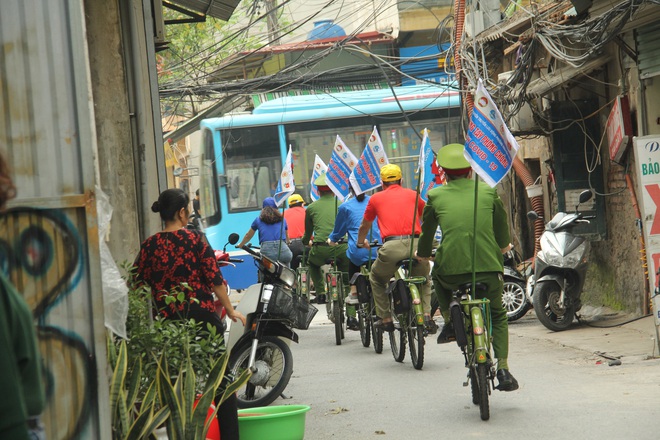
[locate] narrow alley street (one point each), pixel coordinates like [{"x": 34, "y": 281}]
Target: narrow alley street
[{"x": 566, "y": 390}]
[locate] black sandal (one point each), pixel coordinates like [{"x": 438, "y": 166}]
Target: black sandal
[
  {"x": 430, "y": 325},
  {"x": 385, "y": 326}
]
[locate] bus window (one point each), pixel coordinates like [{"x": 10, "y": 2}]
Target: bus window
[
  {"x": 208, "y": 197},
  {"x": 252, "y": 165},
  {"x": 402, "y": 144},
  {"x": 306, "y": 144}
]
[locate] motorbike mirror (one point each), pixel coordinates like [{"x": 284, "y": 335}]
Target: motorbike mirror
[
  {"x": 532, "y": 215},
  {"x": 585, "y": 196},
  {"x": 233, "y": 238}
]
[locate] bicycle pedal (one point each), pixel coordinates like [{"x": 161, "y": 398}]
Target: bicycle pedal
[{"x": 465, "y": 383}]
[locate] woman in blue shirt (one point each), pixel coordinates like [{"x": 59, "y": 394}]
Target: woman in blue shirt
[{"x": 273, "y": 233}]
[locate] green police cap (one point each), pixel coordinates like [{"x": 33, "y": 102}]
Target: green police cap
[
  {"x": 320, "y": 181},
  {"x": 450, "y": 157}
]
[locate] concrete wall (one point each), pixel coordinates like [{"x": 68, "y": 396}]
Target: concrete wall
[
  {"x": 116, "y": 164},
  {"x": 617, "y": 275}
]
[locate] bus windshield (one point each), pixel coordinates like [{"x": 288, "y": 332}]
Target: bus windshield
[{"x": 244, "y": 153}]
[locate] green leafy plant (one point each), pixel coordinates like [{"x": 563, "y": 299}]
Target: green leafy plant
[
  {"x": 162, "y": 367},
  {"x": 188, "y": 403},
  {"x": 131, "y": 419}
]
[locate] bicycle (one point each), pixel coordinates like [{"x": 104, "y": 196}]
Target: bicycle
[
  {"x": 407, "y": 315},
  {"x": 366, "y": 311},
  {"x": 303, "y": 280},
  {"x": 473, "y": 332},
  {"x": 334, "y": 288}
]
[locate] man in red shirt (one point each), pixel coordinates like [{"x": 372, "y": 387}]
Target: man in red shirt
[
  {"x": 394, "y": 207},
  {"x": 295, "y": 220}
]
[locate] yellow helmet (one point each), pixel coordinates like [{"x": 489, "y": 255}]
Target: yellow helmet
[
  {"x": 295, "y": 199},
  {"x": 390, "y": 173}
]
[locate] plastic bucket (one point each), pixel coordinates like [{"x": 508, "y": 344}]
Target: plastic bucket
[
  {"x": 534, "y": 191},
  {"x": 283, "y": 422}
]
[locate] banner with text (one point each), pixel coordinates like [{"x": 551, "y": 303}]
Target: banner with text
[
  {"x": 340, "y": 167},
  {"x": 490, "y": 147},
  {"x": 647, "y": 160},
  {"x": 366, "y": 174}
]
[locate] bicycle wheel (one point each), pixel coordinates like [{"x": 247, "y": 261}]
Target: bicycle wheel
[
  {"x": 364, "y": 318},
  {"x": 459, "y": 326},
  {"x": 415, "y": 341},
  {"x": 398, "y": 342},
  {"x": 474, "y": 385},
  {"x": 376, "y": 332},
  {"x": 337, "y": 318},
  {"x": 340, "y": 295},
  {"x": 482, "y": 379}
]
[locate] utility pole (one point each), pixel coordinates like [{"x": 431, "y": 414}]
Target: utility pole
[{"x": 272, "y": 21}]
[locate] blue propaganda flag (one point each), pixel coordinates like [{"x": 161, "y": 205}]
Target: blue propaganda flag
[
  {"x": 286, "y": 185},
  {"x": 366, "y": 174},
  {"x": 490, "y": 147},
  {"x": 340, "y": 167},
  {"x": 426, "y": 166},
  {"x": 319, "y": 168}
]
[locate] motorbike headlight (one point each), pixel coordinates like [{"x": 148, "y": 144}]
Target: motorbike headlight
[
  {"x": 573, "y": 259},
  {"x": 288, "y": 277}
]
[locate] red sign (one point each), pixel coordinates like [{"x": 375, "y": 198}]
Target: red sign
[{"x": 619, "y": 128}]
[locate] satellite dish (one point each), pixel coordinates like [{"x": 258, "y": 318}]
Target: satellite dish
[{"x": 177, "y": 171}]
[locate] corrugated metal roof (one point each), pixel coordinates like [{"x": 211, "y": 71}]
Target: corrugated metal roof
[{"x": 221, "y": 9}]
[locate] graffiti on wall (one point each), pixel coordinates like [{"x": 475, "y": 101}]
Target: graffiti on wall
[{"x": 41, "y": 252}]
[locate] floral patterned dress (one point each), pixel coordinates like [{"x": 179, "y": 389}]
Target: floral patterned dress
[{"x": 169, "y": 259}]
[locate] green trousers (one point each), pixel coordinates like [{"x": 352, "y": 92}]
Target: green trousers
[
  {"x": 383, "y": 269},
  {"x": 444, "y": 285},
  {"x": 318, "y": 257}
]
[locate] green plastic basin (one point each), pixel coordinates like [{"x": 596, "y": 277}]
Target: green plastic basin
[{"x": 280, "y": 422}]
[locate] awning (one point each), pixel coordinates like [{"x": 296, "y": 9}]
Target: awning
[
  {"x": 238, "y": 65},
  {"x": 221, "y": 9},
  {"x": 223, "y": 106},
  {"x": 548, "y": 82}
]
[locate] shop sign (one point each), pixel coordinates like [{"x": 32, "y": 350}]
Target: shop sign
[
  {"x": 647, "y": 158},
  {"x": 619, "y": 128}
]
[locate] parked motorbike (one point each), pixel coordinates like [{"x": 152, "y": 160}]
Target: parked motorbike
[
  {"x": 223, "y": 259},
  {"x": 514, "y": 297},
  {"x": 560, "y": 268},
  {"x": 272, "y": 311}
]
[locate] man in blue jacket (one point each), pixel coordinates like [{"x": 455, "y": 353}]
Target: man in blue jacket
[{"x": 349, "y": 218}]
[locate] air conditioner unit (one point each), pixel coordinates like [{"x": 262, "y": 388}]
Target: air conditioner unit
[
  {"x": 474, "y": 23},
  {"x": 523, "y": 121}
]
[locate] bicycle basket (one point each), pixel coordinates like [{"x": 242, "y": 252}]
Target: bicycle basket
[
  {"x": 400, "y": 296},
  {"x": 292, "y": 308}
]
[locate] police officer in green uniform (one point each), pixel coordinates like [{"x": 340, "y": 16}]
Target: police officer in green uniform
[
  {"x": 319, "y": 223},
  {"x": 451, "y": 206}
]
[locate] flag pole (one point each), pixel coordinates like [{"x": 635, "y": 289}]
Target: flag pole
[
  {"x": 474, "y": 237},
  {"x": 417, "y": 192}
]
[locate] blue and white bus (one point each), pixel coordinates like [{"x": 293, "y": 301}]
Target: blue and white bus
[{"x": 242, "y": 155}]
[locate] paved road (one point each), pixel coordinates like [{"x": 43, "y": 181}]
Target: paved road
[{"x": 566, "y": 390}]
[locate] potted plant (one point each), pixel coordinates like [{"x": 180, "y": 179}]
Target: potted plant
[{"x": 162, "y": 369}]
